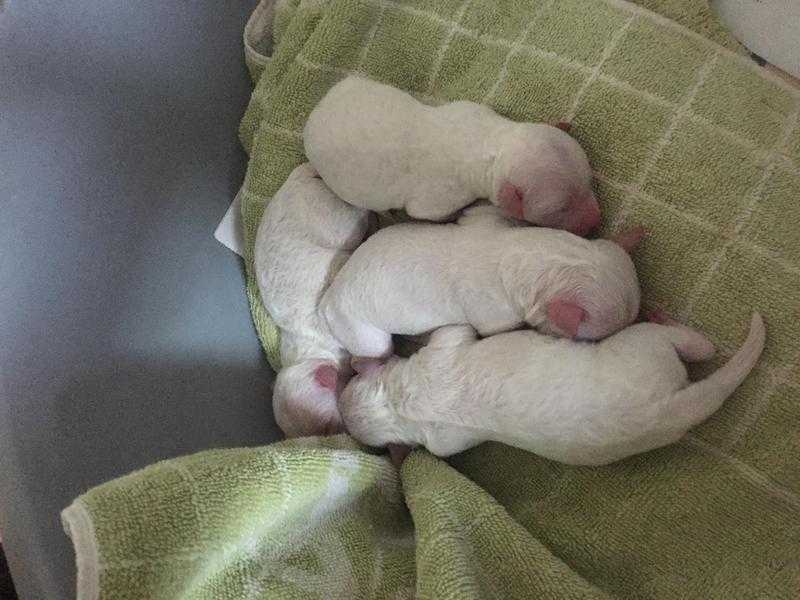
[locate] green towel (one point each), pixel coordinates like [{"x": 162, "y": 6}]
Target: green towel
[
  {"x": 688, "y": 138},
  {"x": 298, "y": 519}
]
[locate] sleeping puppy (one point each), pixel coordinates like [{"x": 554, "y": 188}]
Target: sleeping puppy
[
  {"x": 574, "y": 402},
  {"x": 379, "y": 148},
  {"x": 305, "y": 235},
  {"x": 485, "y": 272}
]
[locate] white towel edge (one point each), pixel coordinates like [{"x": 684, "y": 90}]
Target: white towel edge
[
  {"x": 79, "y": 527},
  {"x": 230, "y": 231}
]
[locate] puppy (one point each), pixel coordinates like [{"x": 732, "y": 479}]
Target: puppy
[
  {"x": 379, "y": 148},
  {"x": 304, "y": 237},
  {"x": 483, "y": 271},
  {"x": 578, "y": 403}
]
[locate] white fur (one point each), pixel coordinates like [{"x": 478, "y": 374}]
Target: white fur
[
  {"x": 575, "y": 402},
  {"x": 305, "y": 235},
  {"x": 413, "y": 278},
  {"x": 379, "y": 148}
]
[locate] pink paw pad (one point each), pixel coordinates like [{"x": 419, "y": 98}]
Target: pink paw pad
[
  {"x": 630, "y": 238},
  {"x": 658, "y": 316}
]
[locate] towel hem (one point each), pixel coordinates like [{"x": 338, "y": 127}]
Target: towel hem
[
  {"x": 79, "y": 527},
  {"x": 258, "y": 27}
]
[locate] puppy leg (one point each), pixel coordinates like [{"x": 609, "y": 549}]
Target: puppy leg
[
  {"x": 437, "y": 203},
  {"x": 452, "y": 335},
  {"x": 360, "y": 339},
  {"x": 364, "y": 341},
  {"x": 446, "y": 439},
  {"x": 484, "y": 214},
  {"x": 690, "y": 344}
]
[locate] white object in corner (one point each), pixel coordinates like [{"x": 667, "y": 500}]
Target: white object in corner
[
  {"x": 230, "y": 231},
  {"x": 769, "y": 28}
]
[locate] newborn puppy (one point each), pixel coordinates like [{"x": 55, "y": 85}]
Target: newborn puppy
[
  {"x": 305, "y": 235},
  {"x": 578, "y": 403},
  {"x": 413, "y": 278},
  {"x": 379, "y": 148}
]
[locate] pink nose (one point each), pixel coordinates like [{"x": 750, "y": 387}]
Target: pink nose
[{"x": 587, "y": 218}]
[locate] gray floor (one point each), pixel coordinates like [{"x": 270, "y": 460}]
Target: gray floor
[{"x": 124, "y": 331}]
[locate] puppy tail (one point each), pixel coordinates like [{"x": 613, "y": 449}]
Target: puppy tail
[{"x": 701, "y": 399}]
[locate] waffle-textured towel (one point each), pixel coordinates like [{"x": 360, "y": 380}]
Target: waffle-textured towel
[{"x": 687, "y": 138}]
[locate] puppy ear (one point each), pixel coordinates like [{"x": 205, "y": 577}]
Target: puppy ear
[
  {"x": 630, "y": 239},
  {"x": 564, "y": 126},
  {"x": 565, "y": 315},
  {"x": 509, "y": 198},
  {"x": 365, "y": 366},
  {"x": 327, "y": 377}
]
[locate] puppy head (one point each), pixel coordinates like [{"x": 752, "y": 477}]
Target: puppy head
[
  {"x": 542, "y": 175},
  {"x": 304, "y": 399},
  {"x": 365, "y": 407},
  {"x": 593, "y": 297}
]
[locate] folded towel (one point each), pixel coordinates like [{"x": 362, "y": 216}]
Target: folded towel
[
  {"x": 313, "y": 518},
  {"x": 687, "y": 138}
]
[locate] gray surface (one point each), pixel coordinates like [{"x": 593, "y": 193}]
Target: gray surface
[{"x": 124, "y": 331}]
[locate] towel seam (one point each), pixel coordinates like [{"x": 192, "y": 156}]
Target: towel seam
[
  {"x": 679, "y": 112},
  {"x": 436, "y": 66},
  {"x": 782, "y": 263},
  {"x": 513, "y": 50},
  {"x": 744, "y": 216},
  {"x": 745, "y": 471},
  {"x": 778, "y": 377},
  {"x": 362, "y": 58},
  {"x": 628, "y": 7},
  {"x": 611, "y": 45}
]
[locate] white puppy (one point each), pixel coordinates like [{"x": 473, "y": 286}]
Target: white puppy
[
  {"x": 575, "y": 402},
  {"x": 379, "y": 148},
  {"x": 305, "y": 235},
  {"x": 413, "y": 278}
]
